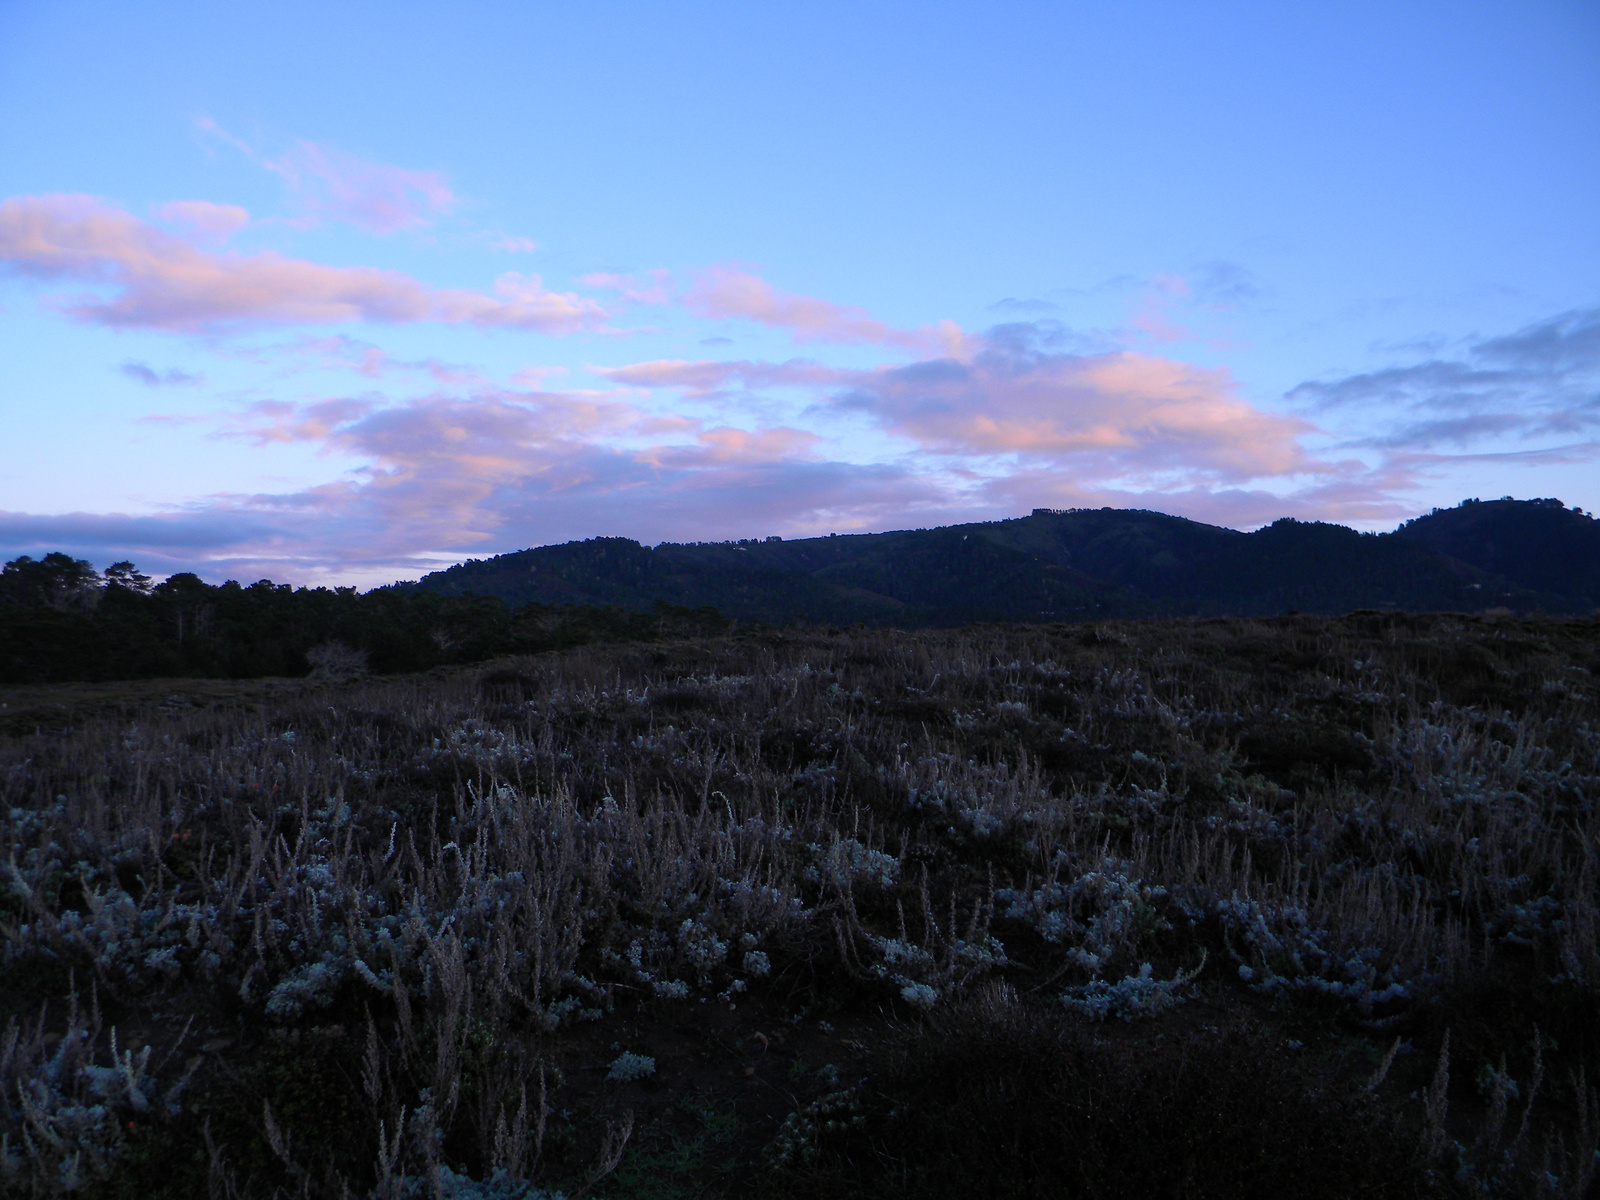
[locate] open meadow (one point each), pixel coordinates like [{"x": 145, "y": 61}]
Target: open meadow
[{"x": 1297, "y": 906}]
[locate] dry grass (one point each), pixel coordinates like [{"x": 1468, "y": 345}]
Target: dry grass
[{"x": 407, "y": 922}]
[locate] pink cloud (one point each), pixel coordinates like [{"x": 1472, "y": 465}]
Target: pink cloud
[
  {"x": 448, "y": 471},
  {"x": 727, "y": 292},
  {"x": 160, "y": 281},
  {"x": 444, "y": 475},
  {"x": 404, "y": 514},
  {"x": 220, "y": 221},
  {"x": 534, "y": 377},
  {"x": 724, "y": 445},
  {"x": 279, "y": 421},
  {"x": 339, "y": 352},
  {"x": 332, "y": 185},
  {"x": 1152, "y": 318},
  {"x": 1108, "y": 413}
]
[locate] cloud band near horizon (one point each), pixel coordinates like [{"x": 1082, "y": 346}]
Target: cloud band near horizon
[
  {"x": 949, "y": 426},
  {"x": 1013, "y": 426}
]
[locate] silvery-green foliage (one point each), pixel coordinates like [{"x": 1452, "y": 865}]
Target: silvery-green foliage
[
  {"x": 466, "y": 865},
  {"x": 924, "y": 975},
  {"x": 310, "y": 986},
  {"x": 573, "y": 1005},
  {"x": 700, "y": 947},
  {"x": 845, "y": 862},
  {"x": 797, "y": 1138},
  {"x": 907, "y": 966},
  {"x": 981, "y": 800},
  {"x": 628, "y": 1066},
  {"x": 1099, "y": 915},
  {"x": 1139, "y": 995},
  {"x": 316, "y": 922},
  {"x": 1285, "y": 953},
  {"x": 920, "y": 995},
  {"x": 63, "y": 1110}
]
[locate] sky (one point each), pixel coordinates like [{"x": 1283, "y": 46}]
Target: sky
[{"x": 340, "y": 294}]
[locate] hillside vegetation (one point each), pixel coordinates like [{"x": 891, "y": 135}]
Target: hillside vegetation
[
  {"x": 1246, "y": 908},
  {"x": 1083, "y": 564},
  {"x": 61, "y": 621}
]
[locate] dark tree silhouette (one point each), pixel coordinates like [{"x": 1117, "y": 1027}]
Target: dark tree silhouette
[{"x": 56, "y": 581}]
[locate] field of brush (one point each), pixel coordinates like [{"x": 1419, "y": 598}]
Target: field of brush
[{"x": 1289, "y": 907}]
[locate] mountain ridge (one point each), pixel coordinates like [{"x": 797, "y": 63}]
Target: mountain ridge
[{"x": 1076, "y": 564}]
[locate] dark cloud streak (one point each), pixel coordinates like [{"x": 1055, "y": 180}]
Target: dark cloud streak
[{"x": 1541, "y": 381}]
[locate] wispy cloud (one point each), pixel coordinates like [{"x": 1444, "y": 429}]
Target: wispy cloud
[
  {"x": 328, "y": 184},
  {"x": 703, "y": 377},
  {"x": 201, "y": 217},
  {"x": 162, "y": 542},
  {"x": 723, "y": 292},
  {"x": 156, "y": 280},
  {"x": 269, "y": 421},
  {"x": 331, "y": 185},
  {"x": 1222, "y": 284},
  {"x": 654, "y": 288},
  {"x": 150, "y": 377},
  {"x": 1025, "y": 306},
  {"x": 458, "y": 472},
  {"x": 341, "y": 352},
  {"x": 1542, "y": 381},
  {"x": 1153, "y": 319}
]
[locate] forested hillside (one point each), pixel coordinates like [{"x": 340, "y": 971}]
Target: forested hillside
[
  {"x": 62, "y": 620},
  {"x": 1534, "y": 555}
]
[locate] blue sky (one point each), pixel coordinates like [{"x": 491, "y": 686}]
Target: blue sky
[{"x": 342, "y": 293}]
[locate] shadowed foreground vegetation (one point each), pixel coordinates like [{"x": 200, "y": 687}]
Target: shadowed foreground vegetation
[
  {"x": 62, "y": 621},
  {"x": 1297, "y": 906}
]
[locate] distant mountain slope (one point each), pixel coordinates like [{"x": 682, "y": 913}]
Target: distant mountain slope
[
  {"x": 1541, "y": 544},
  {"x": 1078, "y": 564}
]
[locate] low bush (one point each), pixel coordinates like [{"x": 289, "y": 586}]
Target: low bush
[{"x": 996, "y": 1099}]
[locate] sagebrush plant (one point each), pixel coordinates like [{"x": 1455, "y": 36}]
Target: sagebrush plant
[{"x": 460, "y": 875}]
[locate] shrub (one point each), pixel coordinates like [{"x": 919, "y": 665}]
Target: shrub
[{"x": 1011, "y": 1103}]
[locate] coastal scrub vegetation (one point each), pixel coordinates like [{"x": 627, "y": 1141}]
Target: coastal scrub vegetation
[{"x": 1292, "y": 906}]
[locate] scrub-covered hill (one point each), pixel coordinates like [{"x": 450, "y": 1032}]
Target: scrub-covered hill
[{"x": 1076, "y": 564}]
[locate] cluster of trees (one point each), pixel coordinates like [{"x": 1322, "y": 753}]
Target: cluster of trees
[{"x": 62, "y": 620}]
